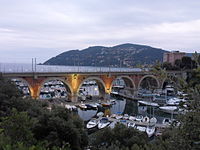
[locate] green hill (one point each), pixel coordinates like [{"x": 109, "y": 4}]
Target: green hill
[{"x": 125, "y": 55}]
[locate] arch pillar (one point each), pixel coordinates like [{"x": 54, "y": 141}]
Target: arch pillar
[
  {"x": 35, "y": 85},
  {"x": 108, "y": 80},
  {"x": 75, "y": 81},
  {"x": 136, "y": 79}
]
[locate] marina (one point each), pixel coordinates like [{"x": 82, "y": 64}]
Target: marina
[{"x": 147, "y": 111}]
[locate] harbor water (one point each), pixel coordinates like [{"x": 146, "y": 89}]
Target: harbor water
[{"x": 125, "y": 106}]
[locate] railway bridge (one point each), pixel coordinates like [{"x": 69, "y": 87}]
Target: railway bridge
[{"x": 73, "y": 80}]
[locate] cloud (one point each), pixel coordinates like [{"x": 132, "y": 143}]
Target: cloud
[{"x": 55, "y": 26}]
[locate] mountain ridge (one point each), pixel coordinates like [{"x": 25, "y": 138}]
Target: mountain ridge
[{"x": 123, "y": 55}]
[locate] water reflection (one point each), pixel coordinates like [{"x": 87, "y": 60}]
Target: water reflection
[
  {"x": 86, "y": 115},
  {"x": 142, "y": 110},
  {"x": 126, "y": 107},
  {"x": 119, "y": 107}
]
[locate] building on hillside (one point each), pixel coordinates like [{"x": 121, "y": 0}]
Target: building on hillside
[{"x": 172, "y": 56}]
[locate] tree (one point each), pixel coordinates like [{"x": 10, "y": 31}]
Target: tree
[
  {"x": 59, "y": 128},
  {"x": 196, "y": 58},
  {"x": 188, "y": 63},
  {"x": 18, "y": 127},
  {"x": 28, "y": 123},
  {"x": 178, "y": 64},
  {"x": 167, "y": 66},
  {"x": 120, "y": 137}
]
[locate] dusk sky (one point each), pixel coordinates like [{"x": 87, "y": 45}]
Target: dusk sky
[{"x": 46, "y": 28}]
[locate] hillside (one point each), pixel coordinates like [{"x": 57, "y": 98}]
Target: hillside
[{"x": 125, "y": 55}]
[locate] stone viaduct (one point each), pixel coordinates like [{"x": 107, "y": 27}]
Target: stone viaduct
[{"x": 74, "y": 80}]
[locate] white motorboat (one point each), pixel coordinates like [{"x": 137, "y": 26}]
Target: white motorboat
[
  {"x": 126, "y": 116},
  {"x": 94, "y": 106},
  {"x": 114, "y": 93},
  {"x": 145, "y": 119},
  {"x": 100, "y": 114},
  {"x": 139, "y": 118},
  {"x": 74, "y": 107},
  {"x": 175, "y": 101},
  {"x": 153, "y": 120},
  {"x": 169, "y": 109},
  {"x": 92, "y": 123},
  {"x": 113, "y": 124},
  {"x": 68, "y": 107},
  {"x": 141, "y": 128},
  {"x": 82, "y": 106},
  {"x": 119, "y": 117},
  {"x": 104, "y": 122},
  {"x": 150, "y": 130},
  {"x": 172, "y": 102},
  {"x": 132, "y": 118},
  {"x": 131, "y": 125},
  {"x": 148, "y": 103},
  {"x": 113, "y": 116}
]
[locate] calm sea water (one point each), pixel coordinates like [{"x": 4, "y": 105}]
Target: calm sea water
[
  {"x": 17, "y": 67},
  {"x": 129, "y": 107}
]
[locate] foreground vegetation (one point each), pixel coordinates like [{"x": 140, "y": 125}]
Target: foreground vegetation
[{"x": 27, "y": 124}]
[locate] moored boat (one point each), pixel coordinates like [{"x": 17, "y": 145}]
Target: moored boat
[
  {"x": 114, "y": 93},
  {"x": 139, "y": 118},
  {"x": 119, "y": 117},
  {"x": 126, "y": 116},
  {"x": 82, "y": 106},
  {"x": 166, "y": 121},
  {"x": 169, "y": 109},
  {"x": 100, "y": 114},
  {"x": 145, "y": 119},
  {"x": 131, "y": 125},
  {"x": 113, "y": 124},
  {"x": 132, "y": 118},
  {"x": 89, "y": 106},
  {"x": 148, "y": 103},
  {"x": 113, "y": 116},
  {"x": 94, "y": 106},
  {"x": 153, "y": 120},
  {"x": 104, "y": 122},
  {"x": 92, "y": 123},
  {"x": 141, "y": 128},
  {"x": 150, "y": 130}
]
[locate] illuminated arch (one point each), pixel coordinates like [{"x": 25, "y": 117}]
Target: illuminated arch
[
  {"x": 148, "y": 76},
  {"x": 128, "y": 81},
  {"x": 53, "y": 79},
  {"x": 27, "y": 83},
  {"x": 99, "y": 81}
]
